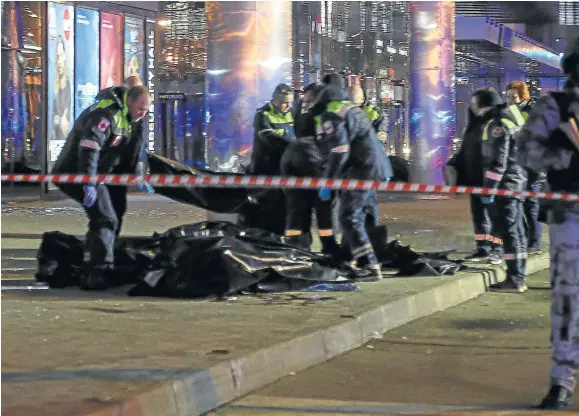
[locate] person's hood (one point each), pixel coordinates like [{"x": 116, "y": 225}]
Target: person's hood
[{"x": 327, "y": 95}]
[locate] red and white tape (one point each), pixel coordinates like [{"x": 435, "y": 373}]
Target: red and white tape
[{"x": 230, "y": 181}]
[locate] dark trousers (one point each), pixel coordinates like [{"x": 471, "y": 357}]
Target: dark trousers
[
  {"x": 508, "y": 222},
  {"x": 105, "y": 221},
  {"x": 534, "y": 228},
  {"x": 354, "y": 209},
  {"x": 483, "y": 228},
  {"x": 300, "y": 206}
]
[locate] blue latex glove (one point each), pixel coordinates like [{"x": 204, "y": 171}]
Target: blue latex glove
[
  {"x": 90, "y": 195},
  {"x": 325, "y": 194},
  {"x": 387, "y": 179},
  {"x": 146, "y": 187},
  {"x": 487, "y": 200}
]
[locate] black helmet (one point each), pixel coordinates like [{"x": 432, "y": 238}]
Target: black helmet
[{"x": 570, "y": 61}]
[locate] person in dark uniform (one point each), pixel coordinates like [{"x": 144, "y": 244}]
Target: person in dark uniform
[
  {"x": 467, "y": 170},
  {"x": 273, "y": 131},
  {"x": 549, "y": 142},
  {"x": 348, "y": 143},
  {"x": 137, "y": 131},
  {"x": 518, "y": 94},
  {"x": 101, "y": 142},
  {"x": 502, "y": 171},
  {"x": 302, "y": 157}
]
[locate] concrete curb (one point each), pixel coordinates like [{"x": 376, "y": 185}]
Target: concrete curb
[{"x": 213, "y": 387}]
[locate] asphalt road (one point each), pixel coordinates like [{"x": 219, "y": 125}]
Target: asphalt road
[{"x": 487, "y": 356}]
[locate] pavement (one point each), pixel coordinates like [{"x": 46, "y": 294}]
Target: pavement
[
  {"x": 486, "y": 356},
  {"x": 77, "y": 353}
]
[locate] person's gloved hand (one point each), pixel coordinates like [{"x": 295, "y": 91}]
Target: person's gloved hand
[
  {"x": 487, "y": 200},
  {"x": 146, "y": 187},
  {"x": 387, "y": 179},
  {"x": 325, "y": 194},
  {"x": 143, "y": 187},
  {"x": 90, "y": 195}
]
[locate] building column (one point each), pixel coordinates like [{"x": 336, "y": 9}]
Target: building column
[
  {"x": 432, "y": 101},
  {"x": 249, "y": 51}
]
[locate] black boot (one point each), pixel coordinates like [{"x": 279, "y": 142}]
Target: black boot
[
  {"x": 369, "y": 270},
  {"x": 333, "y": 249},
  {"x": 95, "y": 278},
  {"x": 558, "y": 398},
  {"x": 302, "y": 241}
]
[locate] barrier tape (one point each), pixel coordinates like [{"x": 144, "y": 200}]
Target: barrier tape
[{"x": 267, "y": 182}]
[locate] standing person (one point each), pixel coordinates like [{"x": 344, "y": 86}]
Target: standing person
[
  {"x": 502, "y": 171},
  {"x": 374, "y": 113},
  {"x": 518, "y": 94},
  {"x": 468, "y": 170},
  {"x": 273, "y": 131},
  {"x": 349, "y": 144},
  {"x": 101, "y": 142},
  {"x": 549, "y": 142},
  {"x": 302, "y": 157}
]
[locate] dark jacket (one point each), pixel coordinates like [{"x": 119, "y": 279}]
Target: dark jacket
[
  {"x": 273, "y": 131},
  {"x": 499, "y": 149},
  {"x": 101, "y": 140},
  {"x": 468, "y": 161},
  {"x": 525, "y": 108},
  {"x": 549, "y": 140},
  {"x": 347, "y": 139}
]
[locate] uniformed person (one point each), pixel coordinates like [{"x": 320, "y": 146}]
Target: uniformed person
[
  {"x": 549, "y": 142},
  {"x": 468, "y": 170},
  {"x": 349, "y": 144},
  {"x": 101, "y": 142},
  {"x": 374, "y": 113},
  {"x": 518, "y": 94},
  {"x": 273, "y": 131},
  {"x": 502, "y": 171},
  {"x": 303, "y": 158},
  {"x": 137, "y": 131}
]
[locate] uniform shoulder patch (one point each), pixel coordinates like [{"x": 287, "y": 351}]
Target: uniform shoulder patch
[
  {"x": 497, "y": 132},
  {"x": 103, "y": 124}
]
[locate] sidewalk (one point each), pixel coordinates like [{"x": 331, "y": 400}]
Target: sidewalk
[{"x": 75, "y": 353}]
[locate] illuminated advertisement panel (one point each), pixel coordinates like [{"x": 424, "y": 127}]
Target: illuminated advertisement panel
[
  {"x": 111, "y": 50},
  {"x": 530, "y": 50},
  {"x": 86, "y": 80},
  {"x": 134, "y": 48},
  {"x": 60, "y": 76}
]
